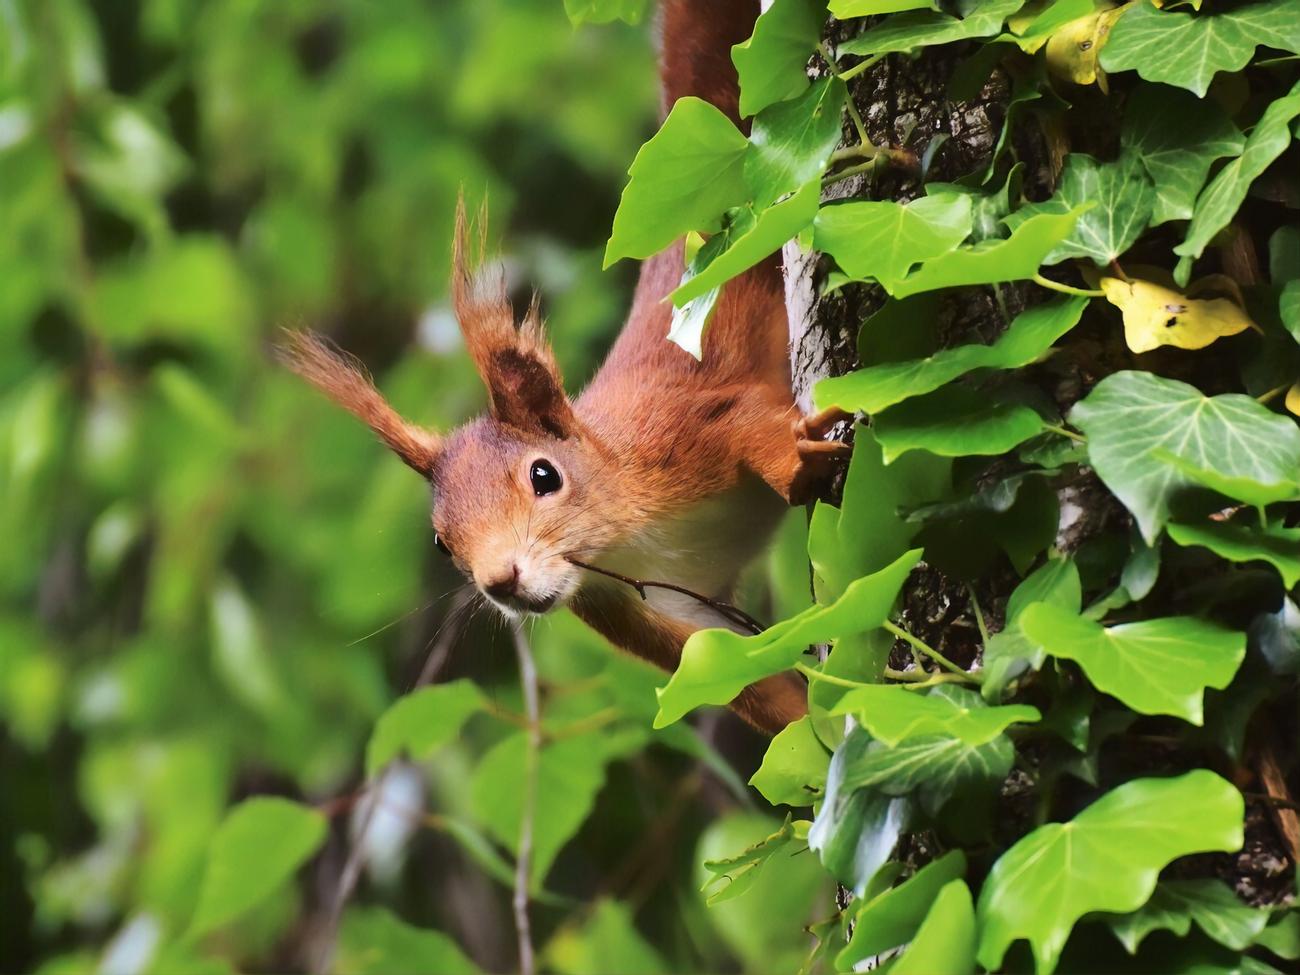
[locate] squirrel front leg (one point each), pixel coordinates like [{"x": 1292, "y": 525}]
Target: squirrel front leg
[
  {"x": 789, "y": 451},
  {"x": 629, "y": 622}
]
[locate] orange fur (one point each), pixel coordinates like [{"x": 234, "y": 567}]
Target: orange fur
[{"x": 662, "y": 458}]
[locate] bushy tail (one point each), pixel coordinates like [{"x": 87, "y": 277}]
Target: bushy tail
[{"x": 696, "y": 38}]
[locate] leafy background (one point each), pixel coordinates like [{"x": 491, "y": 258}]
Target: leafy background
[{"x": 1053, "y": 711}]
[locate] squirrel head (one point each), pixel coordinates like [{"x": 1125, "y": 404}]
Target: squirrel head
[{"x": 517, "y": 492}]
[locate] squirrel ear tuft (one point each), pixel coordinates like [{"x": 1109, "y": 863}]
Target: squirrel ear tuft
[
  {"x": 514, "y": 360},
  {"x": 342, "y": 379}
]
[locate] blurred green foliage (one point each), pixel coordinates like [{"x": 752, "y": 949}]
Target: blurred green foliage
[{"x": 212, "y": 583}]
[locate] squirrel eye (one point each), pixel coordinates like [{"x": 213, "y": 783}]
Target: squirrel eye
[
  {"x": 442, "y": 546},
  {"x": 545, "y": 478}
]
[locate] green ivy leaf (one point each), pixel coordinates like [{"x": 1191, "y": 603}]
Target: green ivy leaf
[
  {"x": 892, "y": 713},
  {"x": 1105, "y": 859},
  {"x": 688, "y": 174},
  {"x": 1014, "y": 259},
  {"x": 570, "y": 773},
  {"x": 794, "y": 767},
  {"x": 867, "y": 532},
  {"x": 933, "y": 767},
  {"x": 1130, "y": 417},
  {"x": 923, "y": 28},
  {"x": 733, "y": 876},
  {"x": 774, "y": 227},
  {"x": 604, "y": 11},
  {"x": 258, "y": 846},
  {"x": 1221, "y": 200},
  {"x": 374, "y": 942},
  {"x": 877, "y": 387},
  {"x": 717, "y": 665},
  {"x": 771, "y": 63},
  {"x": 1238, "y": 541},
  {"x": 1177, "y": 903},
  {"x": 421, "y": 721},
  {"x": 891, "y": 917},
  {"x": 883, "y": 240},
  {"x": 1159, "y": 666},
  {"x": 945, "y": 942},
  {"x": 1256, "y": 492},
  {"x": 1124, "y": 199},
  {"x": 1180, "y": 49},
  {"x": 843, "y": 9},
  {"x": 855, "y": 829},
  {"x": 791, "y": 142},
  {"x": 1177, "y": 137},
  {"x": 955, "y": 421}
]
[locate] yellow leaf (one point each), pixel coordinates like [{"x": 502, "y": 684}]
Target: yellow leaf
[
  {"x": 1072, "y": 51},
  {"x": 1293, "y": 399},
  {"x": 1156, "y": 315}
]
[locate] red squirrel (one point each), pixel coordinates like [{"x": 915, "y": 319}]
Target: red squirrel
[{"x": 664, "y": 468}]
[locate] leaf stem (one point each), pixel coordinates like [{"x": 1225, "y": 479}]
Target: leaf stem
[
  {"x": 918, "y": 644},
  {"x": 1065, "y": 432},
  {"x": 844, "y": 174},
  {"x": 979, "y": 614},
  {"x": 1272, "y": 394},
  {"x": 812, "y": 673},
  {"x": 1065, "y": 289},
  {"x": 848, "y": 74}
]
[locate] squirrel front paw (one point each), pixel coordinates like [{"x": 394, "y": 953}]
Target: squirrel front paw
[{"x": 818, "y": 459}]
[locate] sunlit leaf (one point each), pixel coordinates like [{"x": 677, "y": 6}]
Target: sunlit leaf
[
  {"x": 892, "y": 713},
  {"x": 1220, "y": 201},
  {"x": 891, "y": 917},
  {"x": 1105, "y": 859},
  {"x": 1178, "y": 137},
  {"x": 774, "y": 227},
  {"x": 1014, "y": 259},
  {"x": 717, "y": 665},
  {"x": 258, "y": 846},
  {"x": 1178, "y": 48},
  {"x": 794, "y": 766},
  {"x": 684, "y": 178},
  {"x": 1130, "y": 417},
  {"x": 771, "y": 63},
  {"x": 607, "y": 940},
  {"x": 868, "y": 531},
  {"x": 945, "y": 942},
  {"x": 955, "y": 421},
  {"x": 1123, "y": 199},
  {"x": 923, "y": 28},
  {"x": 1156, "y": 316},
  {"x": 1025, "y": 340},
  {"x": 1155, "y": 666},
  {"x": 1034, "y": 24},
  {"x": 843, "y": 9},
  {"x": 883, "y": 240},
  {"x": 1240, "y": 541},
  {"x": 1176, "y": 904},
  {"x": 418, "y": 723},
  {"x": 791, "y": 142}
]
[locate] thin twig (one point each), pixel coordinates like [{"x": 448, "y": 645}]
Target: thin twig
[
  {"x": 351, "y": 872},
  {"x": 733, "y": 613},
  {"x": 524, "y": 857}
]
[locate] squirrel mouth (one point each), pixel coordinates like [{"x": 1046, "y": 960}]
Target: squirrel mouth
[{"x": 525, "y": 604}]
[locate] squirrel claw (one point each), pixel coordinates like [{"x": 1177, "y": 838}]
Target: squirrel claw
[
  {"x": 818, "y": 425},
  {"x": 819, "y": 460}
]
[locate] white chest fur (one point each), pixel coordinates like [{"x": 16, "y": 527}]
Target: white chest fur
[{"x": 703, "y": 549}]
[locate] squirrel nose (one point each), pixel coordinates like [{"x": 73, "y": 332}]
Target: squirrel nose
[{"x": 505, "y": 586}]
